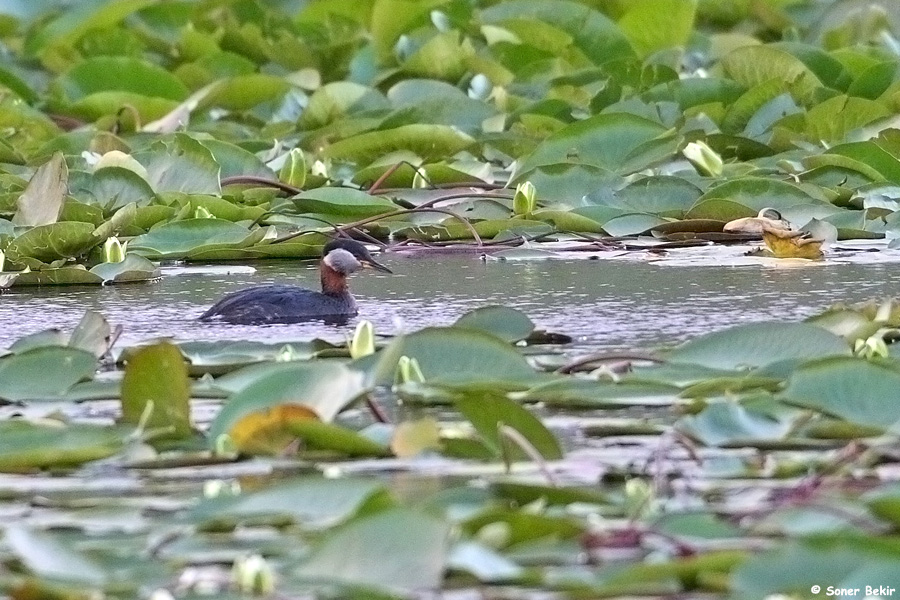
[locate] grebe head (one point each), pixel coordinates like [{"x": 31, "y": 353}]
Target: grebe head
[{"x": 346, "y": 256}]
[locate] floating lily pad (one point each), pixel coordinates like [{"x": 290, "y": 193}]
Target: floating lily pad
[
  {"x": 46, "y": 556},
  {"x": 313, "y": 503},
  {"x": 729, "y": 424},
  {"x": 343, "y": 202},
  {"x": 47, "y": 243},
  {"x": 490, "y": 414},
  {"x": 178, "y": 238},
  {"x": 504, "y": 322},
  {"x": 853, "y": 389},
  {"x": 324, "y": 389},
  {"x": 156, "y": 392},
  {"x": 134, "y": 268},
  {"x": 417, "y": 544},
  {"x": 458, "y": 356},
  {"x": 24, "y": 376},
  {"x": 42, "y": 201},
  {"x": 759, "y": 344},
  {"x": 27, "y": 445}
]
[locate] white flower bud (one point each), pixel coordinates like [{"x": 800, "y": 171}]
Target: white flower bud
[{"x": 706, "y": 160}]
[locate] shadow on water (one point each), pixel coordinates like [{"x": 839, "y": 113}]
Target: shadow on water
[{"x": 603, "y": 304}]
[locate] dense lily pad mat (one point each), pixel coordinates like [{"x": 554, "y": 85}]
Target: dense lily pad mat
[
  {"x": 233, "y": 132},
  {"x": 741, "y": 467},
  {"x": 755, "y": 461}
]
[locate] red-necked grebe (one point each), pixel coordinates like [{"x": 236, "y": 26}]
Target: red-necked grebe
[{"x": 291, "y": 304}]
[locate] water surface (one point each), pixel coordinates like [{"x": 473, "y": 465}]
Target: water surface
[{"x": 604, "y": 304}]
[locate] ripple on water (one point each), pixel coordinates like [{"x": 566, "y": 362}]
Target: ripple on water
[{"x": 603, "y": 304}]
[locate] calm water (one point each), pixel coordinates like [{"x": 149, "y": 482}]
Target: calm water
[{"x": 603, "y": 304}]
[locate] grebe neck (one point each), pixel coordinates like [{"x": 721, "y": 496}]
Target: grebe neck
[{"x": 333, "y": 283}]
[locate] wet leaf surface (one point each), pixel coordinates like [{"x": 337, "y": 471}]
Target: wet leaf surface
[
  {"x": 156, "y": 392},
  {"x": 416, "y": 542},
  {"x": 24, "y": 376}
]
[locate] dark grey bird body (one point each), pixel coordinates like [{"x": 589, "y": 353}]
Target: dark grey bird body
[
  {"x": 291, "y": 304},
  {"x": 280, "y": 304}
]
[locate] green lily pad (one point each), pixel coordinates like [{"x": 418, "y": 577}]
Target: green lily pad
[
  {"x": 47, "y": 243},
  {"x": 119, "y": 73},
  {"x": 179, "y": 238},
  {"x": 156, "y": 380},
  {"x": 316, "y": 435},
  {"x": 857, "y": 390},
  {"x": 243, "y": 92},
  {"x": 584, "y": 393},
  {"x": 506, "y": 323},
  {"x": 46, "y": 556},
  {"x": 337, "y": 99},
  {"x": 752, "y": 65},
  {"x": 24, "y": 376},
  {"x": 223, "y": 356},
  {"x": 110, "y": 187},
  {"x": 759, "y": 344},
  {"x": 754, "y": 193},
  {"x": 181, "y": 164},
  {"x": 729, "y": 424},
  {"x": 838, "y": 561},
  {"x": 658, "y": 24},
  {"x": 343, "y": 203},
  {"x": 431, "y": 142},
  {"x": 42, "y": 201},
  {"x": 603, "y": 141},
  {"x": 416, "y": 543},
  {"x": 595, "y": 34},
  {"x": 459, "y": 356},
  {"x": 324, "y": 388},
  {"x": 27, "y": 445},
  {"x": 312, "y": 502},
  {"x": 489, "y": 414},
  {"x": 133, "y": 269}
]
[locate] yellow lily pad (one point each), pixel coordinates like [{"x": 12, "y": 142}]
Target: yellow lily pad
[
  {"x": 792, "y": 244},
  {"x": 268, "y": 431}
]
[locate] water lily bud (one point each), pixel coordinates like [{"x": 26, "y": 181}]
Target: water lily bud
[
  {"x": 293, "y": 172},
  {"x": 253, "y": 575},
  {"x": 638, "y": 497},
  {"x": 480, "y": 87},
  {"x": 419, "y": 181},
  {"x": 161, "y": 594},
  {"x": 494, "y": 35},
  {"x": 201, "y": 212},
  {"x": 706, "y": 160},
  {"x": 319, "y": 169},
  {"x": 536, "y": 507},
  {"x": 403, "y": 48},
  {"x": 117, "y": 158},
  {"x": 495, "y": 535},
  {"x": 216, "y": 487},
  {"x": 363, "y": 342},
  {"x": 408, "y": 370},
  {"x": 441, "y": 21},
  {"x": 873, "y": 347},
  {"x": 524, "y": 200},
  {"x": 113, "y": 250},
  {"x": 225, "y": 446},
  {"x": 90, "y": 158},
  {"x": 501, "y": 98},
  {"x": 286, "y": 354}
]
